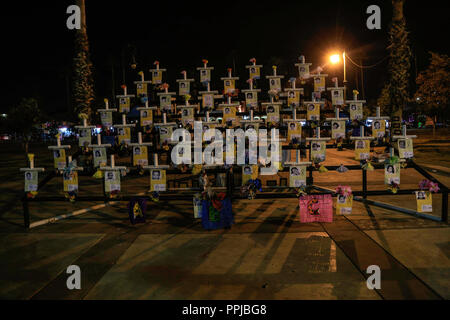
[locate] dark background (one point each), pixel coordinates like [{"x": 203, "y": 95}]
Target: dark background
[{"x": 38, "y": 48}]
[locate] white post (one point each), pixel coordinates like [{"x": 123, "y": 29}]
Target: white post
[
  {"x": 208, "y": 87},
  {"x": 251, "y": 114},
  {"x": 293, "y": 84},
  {"x": 205, "y": 65},
  {"x": 99, "y": 139},
  {"x": 155, "y": 159},
  {"x": 166, "y": 90},
  {"x": 124, "y": 90},
  {"x": 207, "y": 116},
  {"x": 124, "y": 119},
  {"x": 229, "y": 73},
  {"x": 274, "y": 71},
  {"x": 142, "y": 76},
  {"x": 139, "y": 137},
  {"x": 318, "y": 132},
  {"x": 106, "y": 104},
  {"x": 251, "y": 85},
  {"x": 164, "y": 118},
  {"x": 229, "y": 99},
  {"x": 157, "y": 66},
  {"x": 69, "y": 159},
  {"x": 337, "y": 112},
  {"x": 84, "y": 122},
  {"x": 336, "y": 85},
  {"x": 58, "y": 141},
  {"x": 112, "y": 161},
  {"x": 378, "y": 112},
  {"x": 146, "y": 103},
  {"x": 185, "y": 76},
  {"x": 32, "y": 164},
  {"x": 355, "y": 96},
  {"x": 404, "y": 130},
  {"x": 294, "y": 114}
]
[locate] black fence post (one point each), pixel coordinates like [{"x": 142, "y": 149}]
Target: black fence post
[
  {"x": 364, "y": 183},
  {"x": 444, "y": 215},
  {"x": 26, "y": 212}
]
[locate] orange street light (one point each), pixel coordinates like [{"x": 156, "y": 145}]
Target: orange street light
[{"x": 335, "y": 58}]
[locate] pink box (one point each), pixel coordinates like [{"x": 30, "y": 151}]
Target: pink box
[{"x": 316, "y": 208}]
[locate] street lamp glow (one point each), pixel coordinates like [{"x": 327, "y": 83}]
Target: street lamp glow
[{"x": 335, "y": 58}]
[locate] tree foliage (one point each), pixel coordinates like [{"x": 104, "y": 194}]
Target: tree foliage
[
  {"x": 433, "y": 86},
  {"x": 23, "y": 118}
]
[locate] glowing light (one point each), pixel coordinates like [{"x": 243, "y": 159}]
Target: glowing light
[{"x": 335, "y": 58}]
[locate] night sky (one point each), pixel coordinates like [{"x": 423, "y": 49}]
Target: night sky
[{"x": 38, "y": 48}]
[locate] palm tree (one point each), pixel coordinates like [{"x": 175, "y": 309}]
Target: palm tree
[{"x": 83, "y": 83}]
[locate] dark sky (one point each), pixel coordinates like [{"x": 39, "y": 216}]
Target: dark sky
[{"x": 38, "y": 47}]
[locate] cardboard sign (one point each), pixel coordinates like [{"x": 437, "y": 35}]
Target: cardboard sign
[
  {"x": 313, "y": 111},
  {"x": 205, "y": 75},
  {"x": 157, "y": 180},
  {"x": 405, "y": 148},
  {"x": 254, "y": 72},
  {"x": 392, "y": 173},
  {"x": 362, "y": 149},
  {"x": 337, "y": 97},
  {"x": 31, "y": 181},
  {"x": 273, "y": 113},
  {"x": 106, "y": 118},
  {"x": 85, "y": 137},
  {"x": 356, "y": 111},
  {"x": 318, "y": 150},
  {"x": 208, "y": 100},
  {"x": 59, "y": 157},
  {"x": 141, "y": 89},
  {"x": 344, "y": 204},
  {"x": 338, "y": 129},
  {"x": 140, "y": 157},
  {"x": 275, "y": 84},
  {"x": 165, "y": 101},
  {"x": 303, "y": 71},
  {"x": 146, "y": 117},
  {"x": 229, "y": 86},
  {"x": 319, "y": 83},
  {"x": 165, "y": 133},
  {"x": 124, "y": 135},
  {"x": 294, "y": 131},
  {"x": 424, "y": 201},
  {"x": 297, "y": 176},
  {"x": 294, "y": 98},
  {"x": 124, "y": 105},
  {"x": 187, "y": 116},
  {"x": 251, "y": 99},
  {"x": 378, "y": 128},
  {"x": 99, "y": 156},
  {"x": 112, "y": 181},
  {"x": 249, "y": 172},
  {"x": 184, "y": 88},
  {"x": 229, "y": 114},
  {"x": 70, "y": 181},
  {"x": 156, "y": 77}
]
